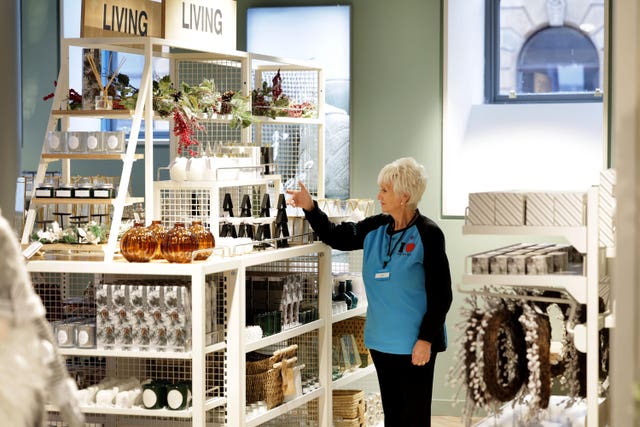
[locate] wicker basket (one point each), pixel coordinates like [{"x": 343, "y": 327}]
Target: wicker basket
[
  {"x": 266, "y": 386},
  {"x": 258, "y": 363},
  {"x": 348, "y": 405},
  {"x": 354, "y": 326},
  {"x": 264, "y": 378},
  {"x": 356, "y": 422}
]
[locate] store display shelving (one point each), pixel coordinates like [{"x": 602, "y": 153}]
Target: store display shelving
[
  {"x": 582, "y": 287},
  {"x": 234, "y": 269},
  {"x": 231, "y": 70}
]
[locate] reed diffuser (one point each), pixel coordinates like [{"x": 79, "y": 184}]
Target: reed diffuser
[{"x": 104, "y": 101}]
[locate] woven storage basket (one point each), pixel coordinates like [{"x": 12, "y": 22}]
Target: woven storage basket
[
  {"x": 348, "y": 404},
  {"x": 258, "y": 363},
  {"x": 353, "y": 326},
  {"x": 266, "y": 386},
  {"x": 356, "y": 422}
]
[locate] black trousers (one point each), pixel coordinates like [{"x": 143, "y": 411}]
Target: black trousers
[{"x": 405, "y": 389}]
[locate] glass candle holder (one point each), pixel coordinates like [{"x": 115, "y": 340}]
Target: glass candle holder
[{"x": 104, "y": 102}]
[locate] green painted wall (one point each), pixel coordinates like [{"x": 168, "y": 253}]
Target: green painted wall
[{"x": 40, "y": 63}]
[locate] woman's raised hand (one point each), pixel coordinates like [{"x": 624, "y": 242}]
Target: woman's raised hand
[{"x": 300, "y": 198}]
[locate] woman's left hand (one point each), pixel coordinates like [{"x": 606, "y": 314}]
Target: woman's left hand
[{"x": 421, "y": 353}]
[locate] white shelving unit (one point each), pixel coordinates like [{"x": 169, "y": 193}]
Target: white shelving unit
[
  {"x": 179, "y": 201},
  {"x": 583, "y": 288},
  {"x": 231, "y": 70},
  {"x": 316, "y": 256}
]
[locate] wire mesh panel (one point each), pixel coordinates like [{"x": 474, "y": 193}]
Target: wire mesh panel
[
  {"x": 295, "y": 152},
  {"x": 227, "y": 76},
  {"x": 117, "y": 315},
  {"x": 303, "y": 416},
  {"x": 299, "y": 85},
  {"x": 66, "y": 295},
  {"x": 283, "y": 295},
  {"x": 187, "y": 202}
]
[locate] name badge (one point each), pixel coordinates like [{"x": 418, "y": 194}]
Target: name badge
[{"x": 382, "y": 275}]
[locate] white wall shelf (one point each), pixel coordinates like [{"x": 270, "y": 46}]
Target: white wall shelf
[
  {"x": 575, "y": 285},
  {"x": 353, "y": 375},
  {"x": 577, "y": 236},
  {"x": 360, "y": 310},
  {"x": 285, "y": 407},
  {"x": 584, "y": 289}
]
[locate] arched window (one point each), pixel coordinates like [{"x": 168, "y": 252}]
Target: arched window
[
  {"x": 558, "y": 60},
  {"x": 544, "y": 50}
]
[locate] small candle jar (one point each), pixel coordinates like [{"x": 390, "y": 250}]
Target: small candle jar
[
  {"x": 104, "y": 191},
  {"x": 45, "y": 190},
  {"x": 179, "y": 396},
  {"x": 65, "y": 191},
  {"x": 55, "y": 142},
  {"x": 84, "y": 189},
  {"x": 65, "y": 334},
  {"x": 104, "y": 102},
  {"x": 154, "y": 394},
  {"x": 75, "y": 142},
  {"x": 86, "y": 335},
  {"x": 94, "y": 142},
  {"x": 113, "y": 142}
]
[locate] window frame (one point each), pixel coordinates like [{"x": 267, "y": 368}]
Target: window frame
[{"x": 492, "y": 69}]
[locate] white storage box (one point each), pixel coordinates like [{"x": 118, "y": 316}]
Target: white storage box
[
  {"x": 76, "y": 142},
  {"x": 94, "y": 142},
  {"x": 113, "y": 142},
  {"x": 509, "y": 208},
  {"x": 539, "y": 211},
  {"x": 481, "y": 209},
  {"x": 569, "y": 208},
  {"x": 55, "y": 142}
]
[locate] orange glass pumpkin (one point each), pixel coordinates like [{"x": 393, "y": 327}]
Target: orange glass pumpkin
[
  {"x": 178, "y": 244},
  {"x": 159, "y": 231},
  {"x": 204, "y": 238},
  {"x": 138, "y": 244}
]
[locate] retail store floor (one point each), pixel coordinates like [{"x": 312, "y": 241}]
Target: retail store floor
[
  {"x": 445, "y": 422},
  {"x": 448, "y": 422}
]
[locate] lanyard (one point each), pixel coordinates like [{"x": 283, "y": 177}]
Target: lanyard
[{"x": 391, "y": 250}]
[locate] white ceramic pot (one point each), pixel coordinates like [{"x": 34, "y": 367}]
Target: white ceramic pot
[
  {"x": 210, "y": 170},
  {"x": 197, "y": 169},
  {"x": 178, "y": 169}
]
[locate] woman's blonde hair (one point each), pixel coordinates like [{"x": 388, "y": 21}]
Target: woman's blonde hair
[{"x": 406, "y": 176}]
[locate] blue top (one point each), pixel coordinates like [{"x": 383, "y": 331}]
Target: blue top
[{"x": 406, "y": 276}]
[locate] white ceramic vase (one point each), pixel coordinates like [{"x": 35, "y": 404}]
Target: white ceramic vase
[{"x": 178, "y": 169}]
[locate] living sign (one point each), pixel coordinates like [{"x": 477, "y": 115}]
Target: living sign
[
  {"x": 109, "y": 18},
  {"x": 204, "y": 24},
  {"x": 200, "y": 18}
]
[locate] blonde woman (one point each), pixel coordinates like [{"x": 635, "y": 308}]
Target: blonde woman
[{"x": 408, "y": 285}]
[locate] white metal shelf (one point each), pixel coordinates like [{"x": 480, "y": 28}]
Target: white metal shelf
[
  {"x": 82, "y": 201},
  {"x": 137, "y": 411},
  {"x": 354, "y": 375},
  {"x": 284, "y": 335},
  {"x": 574, "y": 284},
  {"x": 88, "y": 156},
  {"x": 285, "y": 407},
  {"x": 360, "y": 310},
  {"x": 186, "y": 185},
  {"x": 121, "y": 266},
  {"x": 577, "y": 235},
  {"x": 137, "y": 354},
  {"x": 583, "y": 288},
  {"x": 287, "y": 120}
]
